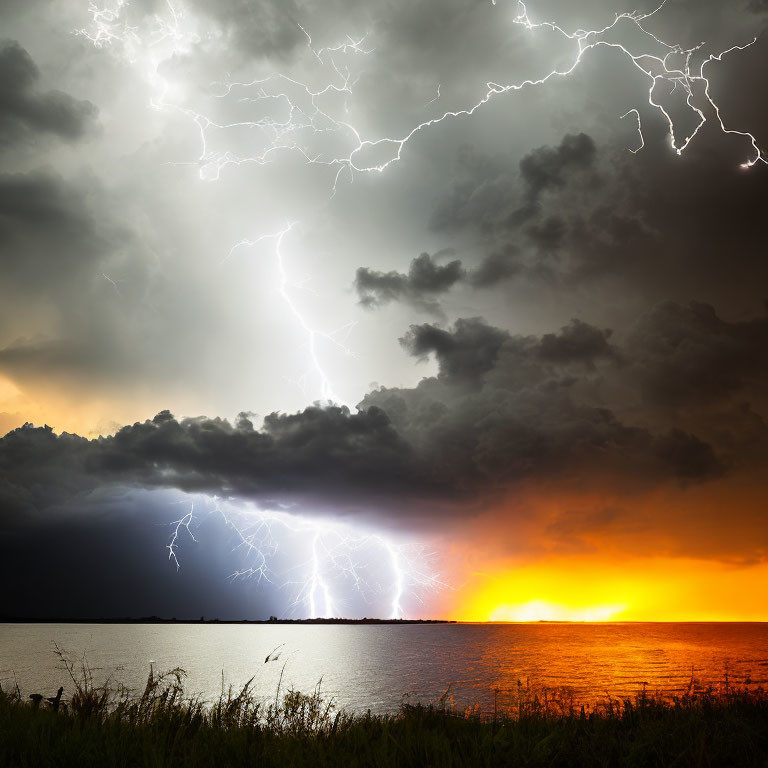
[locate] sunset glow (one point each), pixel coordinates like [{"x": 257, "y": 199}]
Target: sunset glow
[{"x": 657, "y": 589}]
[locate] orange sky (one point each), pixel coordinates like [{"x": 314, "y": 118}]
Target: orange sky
[
  {"x": 93, "y": 415},
  {"x": 638, "y": 589},
  {"x": 673, "y": 553}
]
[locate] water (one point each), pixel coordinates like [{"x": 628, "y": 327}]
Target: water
[{"x": 373, "y": 667}]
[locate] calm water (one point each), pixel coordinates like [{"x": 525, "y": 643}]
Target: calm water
[{"x": 374, "y": 666}]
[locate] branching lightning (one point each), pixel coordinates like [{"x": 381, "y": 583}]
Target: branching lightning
[
  {"x": 305, "y": 116},
  {"x": 183, "y": 522},
  {"x": 372, "y": 565}
]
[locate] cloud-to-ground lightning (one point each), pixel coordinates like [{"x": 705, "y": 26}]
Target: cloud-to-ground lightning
[
  {"x": 371, "y": 565},
  {"x": 312, "y": 335},
  {"x": 294, "y": 116}
]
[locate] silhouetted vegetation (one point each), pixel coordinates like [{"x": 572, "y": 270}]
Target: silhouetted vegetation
[{"x": 105, "y": 725}]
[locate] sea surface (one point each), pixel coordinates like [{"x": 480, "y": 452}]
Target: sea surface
[{"x": 376, "y": 667}]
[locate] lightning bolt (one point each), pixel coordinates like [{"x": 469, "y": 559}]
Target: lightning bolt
[
  {"x": 370, "y": 564},
  {"x": 313, "y": 336}
]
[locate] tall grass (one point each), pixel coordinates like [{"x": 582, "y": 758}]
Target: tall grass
[{"x": 107, "y": 725}]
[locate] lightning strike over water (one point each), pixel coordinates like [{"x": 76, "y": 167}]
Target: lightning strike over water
[
  {"x": 331, "y": 557},
  {"x": 293, "y": 116}
]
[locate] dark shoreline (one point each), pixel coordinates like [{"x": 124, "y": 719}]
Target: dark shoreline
[{"x": 158, "y": 620}]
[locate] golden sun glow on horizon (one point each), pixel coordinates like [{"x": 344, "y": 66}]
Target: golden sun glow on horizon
[
  {"x": 540, "y": 610},
  {"x": 650, "y": 589}
]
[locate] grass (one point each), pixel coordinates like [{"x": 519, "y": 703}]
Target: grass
[{"x": 106, "y": 725}]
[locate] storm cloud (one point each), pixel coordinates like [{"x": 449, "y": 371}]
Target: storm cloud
[
  {"x": 425, "y": 279},
  {"x": 25, "y": 109},
  {"x": 502, "y": 409}
]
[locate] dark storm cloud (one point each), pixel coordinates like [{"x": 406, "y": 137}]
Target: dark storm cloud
[
  {"x": 661, "y": 225},
  {"x": 465, "y": 353},
  {"x": 25, "y": 109},
  {"x": 325, "y": 452},
  {"x": 547, "y": 168},
  {"x": 686, "y": 355},
  {"x": 502, "y": 264},
  {"x": 46, "y": 229},
  {"x": 510, "y": 206},
  {"x": 502, "y": 410},
  {"x": 425, "y": 279},
  {"x": 578, "y": 341},
  {"x": 491, "y": 195},
  {"x": 492, "y": 191}
]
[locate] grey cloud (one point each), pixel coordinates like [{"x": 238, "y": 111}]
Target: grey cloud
[
  {"x": 425, "y": 279},
  {"x": 490, "y": 194},
  {"x": 686, "y": 355},
  {"x": 502, "y": 264},
  {"x": 548, "y": 168},
  {"x": 58, "y": 314},
  {"x": 46, "y": 230},
  {"x": 24, "y": 109},
  {"x": 578, "y": 341},
  {"x": 532, "y": 410},
  {"x": 465, "y": 353},
  {"x": 492, "y": 191},
  {"x": 484, "y": 187},
  {"x": 575, "y": 215}
]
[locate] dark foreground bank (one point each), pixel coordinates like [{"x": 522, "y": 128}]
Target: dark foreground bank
[{"x": 99, "y": 726}]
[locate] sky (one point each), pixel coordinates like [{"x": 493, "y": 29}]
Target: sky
[{"x": 418, "y": 309}]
